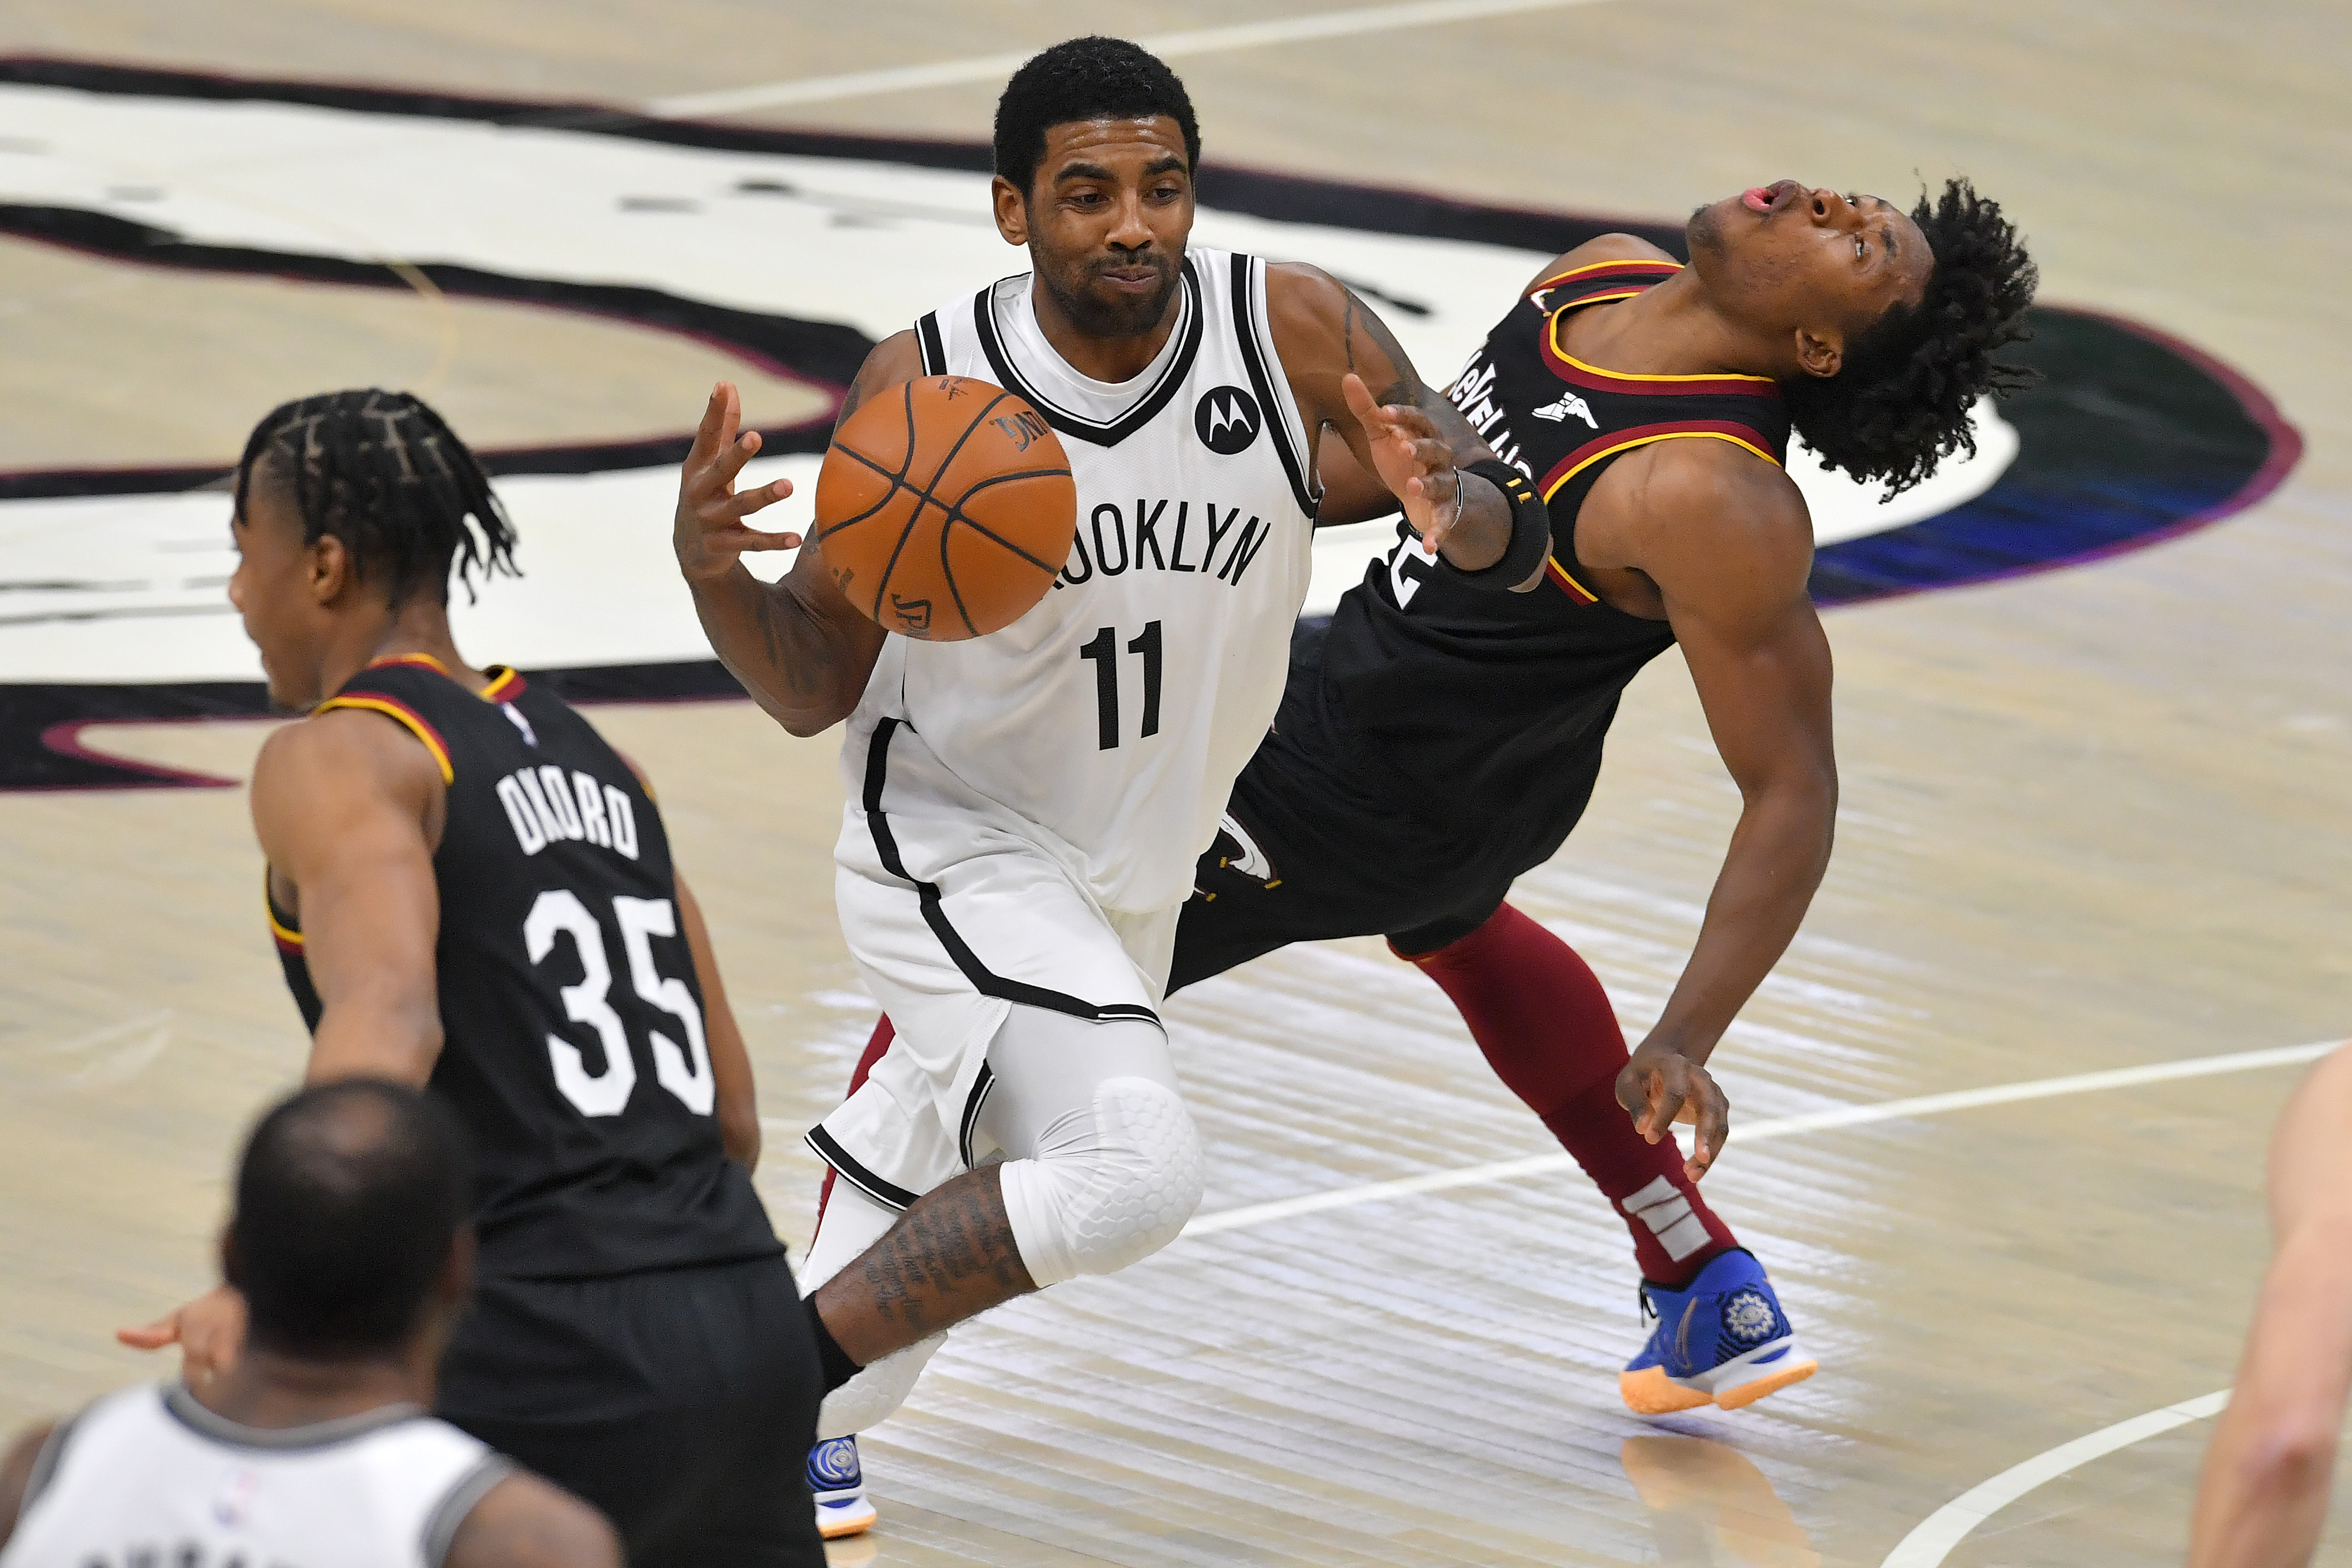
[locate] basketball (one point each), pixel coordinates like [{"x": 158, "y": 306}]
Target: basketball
[{"x": 945, "y": 507}]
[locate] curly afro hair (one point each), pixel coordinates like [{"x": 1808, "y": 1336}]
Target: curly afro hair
[
  {"x": 1900, "y": 404},
  {"x": 1092, "y": 77},
  {"x": 382, "y": 472}
]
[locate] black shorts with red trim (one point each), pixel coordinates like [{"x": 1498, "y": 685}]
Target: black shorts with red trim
[{"x": 1326, "y": 837}]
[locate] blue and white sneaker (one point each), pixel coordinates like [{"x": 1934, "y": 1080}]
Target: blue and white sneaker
[
  {"x": 839, "y": 1487},
  {"x": 1722, "y": 1341}
]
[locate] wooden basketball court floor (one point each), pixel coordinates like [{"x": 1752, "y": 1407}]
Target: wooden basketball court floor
[{"x": 2093, "y": 820}]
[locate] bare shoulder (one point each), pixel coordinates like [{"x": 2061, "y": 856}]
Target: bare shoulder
[
  {"x": 1302, "y": 300},
  {"x": 1606, "y": 248},
  {"x": 897, "y": 358},
  {"x": 323, "y": 773},
  {"x": 524, "y": 1523},
  {"x": 1690, "y": 512},
  {"x": 1322, "y": 331},
  {"x": 344, "y": 744}
]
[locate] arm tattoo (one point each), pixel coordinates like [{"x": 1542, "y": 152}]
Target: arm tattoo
[
  {"x": 1407, "y": 387},
  {"x": 958, "y": 1236},
  {"x": 785, "y": 642}
]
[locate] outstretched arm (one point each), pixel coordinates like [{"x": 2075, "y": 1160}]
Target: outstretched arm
[
  {"x": 1729, "y": 544},
  {"x": 341, "y": 804},
  {"x": 2264, "y": 1494},
  {"x": 1351, "y": 376},
  {"x": 798, "y": 645}
]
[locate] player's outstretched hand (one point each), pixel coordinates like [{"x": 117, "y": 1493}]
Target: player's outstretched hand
[
  {"x": 209, "y": 1331},
  {"x": 1411, "y": 458},
  {"x": 709, "y": 532},
  {"x": 1661, "y": 1087}
]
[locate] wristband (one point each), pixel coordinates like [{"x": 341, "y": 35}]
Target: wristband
[{"x": 1530, "y": 543}]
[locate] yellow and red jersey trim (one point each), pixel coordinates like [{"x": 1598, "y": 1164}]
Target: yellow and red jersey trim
[
  {"x": 505, "y": 684},
  {"x": 401, "y": 713},
  {"x": 288, "y": 940},
  {"x": 422, "y": 661},
  {"x": 1567, "y": 583},
  {"x": 1618, "y": 441},
  {"x": 1569, "y": 368},
  {"x": 1600, "y": 274}
]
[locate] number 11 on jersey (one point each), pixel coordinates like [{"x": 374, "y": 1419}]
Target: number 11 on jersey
[{"x": 1103, "y": 651}]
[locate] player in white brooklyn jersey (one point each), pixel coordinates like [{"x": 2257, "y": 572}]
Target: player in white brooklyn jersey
[
  {"x": 1025, "y": 808},
  {"x": 351, "y": 1250}
]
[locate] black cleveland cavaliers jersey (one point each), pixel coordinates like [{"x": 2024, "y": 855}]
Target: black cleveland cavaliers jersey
[
  {"x": 1496, "y": 702},
  {"x": 574, "y": 1049}
]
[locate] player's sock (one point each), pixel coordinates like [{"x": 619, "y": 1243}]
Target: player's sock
[
  {"x": 837, "y": 1367},
  {"x": 1545, "y": 1024}
]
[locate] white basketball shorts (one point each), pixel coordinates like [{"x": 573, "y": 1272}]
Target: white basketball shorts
[{"x": 956, "y": 910}]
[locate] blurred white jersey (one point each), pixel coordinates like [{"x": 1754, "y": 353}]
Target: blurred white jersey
[
  {"x": 148, "y": 1475},
  {"x": 1115, "y": 716}
]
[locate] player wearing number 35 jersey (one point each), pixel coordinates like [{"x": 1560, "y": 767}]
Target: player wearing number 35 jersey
[
  {"x": 1024, "y": 808},
  {"x": 471, "y": 890}
]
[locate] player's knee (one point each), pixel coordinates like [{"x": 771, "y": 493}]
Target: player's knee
[{"x": 1108, "y": 1184}]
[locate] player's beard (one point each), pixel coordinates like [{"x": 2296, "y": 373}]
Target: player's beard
[
  {"x": 1704, "y": 232},
  {"x": 1122, "y": 316}
]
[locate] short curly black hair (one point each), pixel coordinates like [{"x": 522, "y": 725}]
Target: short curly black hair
[
  {"x": 1092, "y": 77},
  {"x": 1899, "y": 405},
  {"x": 381, "y": 471}
]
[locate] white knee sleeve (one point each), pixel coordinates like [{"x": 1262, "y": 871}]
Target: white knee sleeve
[{"x": 1109, "y": 1183}]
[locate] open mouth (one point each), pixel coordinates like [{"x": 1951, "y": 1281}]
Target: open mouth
[{"x": 1770, "y": 199}]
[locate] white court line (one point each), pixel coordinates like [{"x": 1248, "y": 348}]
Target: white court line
[
  {"x": 1950, "y": 1525},
  {"x": 989, "y": 68},
  {"x": 1776, "y": 1127}
]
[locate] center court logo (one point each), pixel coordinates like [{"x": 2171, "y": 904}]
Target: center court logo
[{"x": 1226, "y": 420}]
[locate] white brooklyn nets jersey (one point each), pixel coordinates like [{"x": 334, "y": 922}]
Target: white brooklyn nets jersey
[
  {"x": 1116, "y": 714},
  {"x": 149, "y": 1476}
]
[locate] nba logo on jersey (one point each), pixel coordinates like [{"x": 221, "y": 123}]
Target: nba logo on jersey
[{"x": 1226, "y": 420}]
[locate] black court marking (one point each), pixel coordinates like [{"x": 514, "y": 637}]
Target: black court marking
[
  {"x": 823, "y": 355},
  {"x": 983, "y": 980}
]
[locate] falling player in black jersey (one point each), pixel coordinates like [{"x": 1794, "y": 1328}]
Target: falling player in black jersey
[
  {"x": 470, "y": 889},
  {"x": 1435, "y": 743}
]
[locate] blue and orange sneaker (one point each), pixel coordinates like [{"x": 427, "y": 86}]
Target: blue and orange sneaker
[
  {"x": 1722, "y": 1339},
  {"x": 839, "y": 1484}
]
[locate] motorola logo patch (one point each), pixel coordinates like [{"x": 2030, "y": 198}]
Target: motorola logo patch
[{"x": 1226, "y": 418}]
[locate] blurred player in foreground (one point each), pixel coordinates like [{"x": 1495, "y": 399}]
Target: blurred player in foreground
[
  {"x": 2264, "y": 1496},
  {"x": 470, "y": 888},
  {"x": 350, "y": 1247}
]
